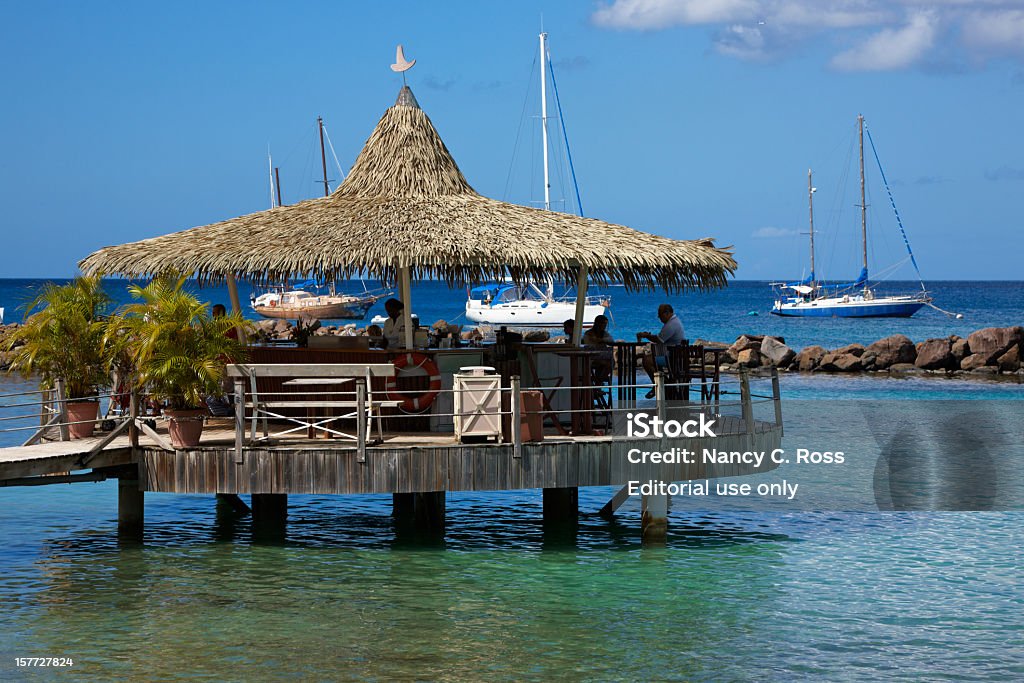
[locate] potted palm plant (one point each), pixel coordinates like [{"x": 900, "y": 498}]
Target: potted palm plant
[
  {"x": 62, "y": 338},
  {"x": 178, "y": 351}
]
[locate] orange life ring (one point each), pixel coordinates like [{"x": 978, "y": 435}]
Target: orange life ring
[
  {"x": 422, "y": 399},
  {"x": 273, "y": 302}
]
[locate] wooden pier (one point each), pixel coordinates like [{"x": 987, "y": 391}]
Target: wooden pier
[{"x": 405, "y": 465}]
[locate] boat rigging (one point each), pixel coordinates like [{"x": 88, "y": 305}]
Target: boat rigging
[{"x": 812, "y": 297}]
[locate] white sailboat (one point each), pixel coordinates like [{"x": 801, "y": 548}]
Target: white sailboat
[
  {"x": 292, "y": 302},
  {"x": 811, "y": 298},
  {"x": 529, "y": 304}
]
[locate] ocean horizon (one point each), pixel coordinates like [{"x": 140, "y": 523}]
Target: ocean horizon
[{"x": 719, "y": 315}]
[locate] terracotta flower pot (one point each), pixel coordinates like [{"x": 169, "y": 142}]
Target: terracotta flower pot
[
  {"x": 185, "y": 427},
  {"x": 86, "y": 413}
]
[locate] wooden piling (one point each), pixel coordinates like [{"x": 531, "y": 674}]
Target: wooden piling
[
  {"x": 654, "y": 523},
  {"x": 130, "y": 507},
  {"x": 420, "y": 511},
  {"x": 269, "y": 512},
  {"x": 561, "y": 505}
]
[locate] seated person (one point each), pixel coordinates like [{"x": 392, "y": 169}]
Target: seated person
[
  {"x": 394, "y": 326},
  {"x": 671, "y": 334},
  {"x": 597, "y": 337},
  {"x": 567, "y": 328},
  {"x": 376, "y": 336}
]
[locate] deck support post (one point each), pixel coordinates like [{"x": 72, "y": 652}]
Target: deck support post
[
  {"x": 269, "y": 513},
  {"x": 517, "y": 417},
  {"x": 361, "y": 422},
  {"x": 745, "y": 402},
  {"x": 561, "y": 505},
  {"x": 777, "y": 400},
  {"x": 422, "y": 511},
  {"x": 130, "y": 507},
  {"x": 62, "y": 408},
  {"x": 240, "y": 419},
  {"x": 654, "y": 522},
  {"x": 659, "y": 394}
]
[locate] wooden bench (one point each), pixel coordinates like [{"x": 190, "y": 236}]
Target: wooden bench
[{"x": 360, "y": 403}]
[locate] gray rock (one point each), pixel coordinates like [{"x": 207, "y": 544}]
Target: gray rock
[
  {"x": 853, "y": 349},
  {"x": 777, "y": 353},
  {"x": 960, "y": 349},
  {"x": 749, "y": 358},
  {"x": 809, "y": 359},
  {"x": 973, "y": 362},
  {"x": 891, "y": 350},
  {"x": 835, "y": 361},
  {"x": 992, "y": 342},
  {"x": 1009, "y": 361},
  {"x": 742, "y": 343},
  {"x": 935, "y": 354}
]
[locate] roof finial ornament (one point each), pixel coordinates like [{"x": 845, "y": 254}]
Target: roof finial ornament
[{"x": 401, "y": 64}]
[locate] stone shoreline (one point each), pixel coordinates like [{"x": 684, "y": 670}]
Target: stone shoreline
[{"x": 990, "y": 352}]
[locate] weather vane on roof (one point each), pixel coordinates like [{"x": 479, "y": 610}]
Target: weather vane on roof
[{"x": 401, "y": 64}]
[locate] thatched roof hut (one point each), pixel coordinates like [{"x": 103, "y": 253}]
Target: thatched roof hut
[{"x": 406, "y": 211}]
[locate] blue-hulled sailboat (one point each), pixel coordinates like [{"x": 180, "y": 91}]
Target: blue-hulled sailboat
[{"x": 809, "y": 298}]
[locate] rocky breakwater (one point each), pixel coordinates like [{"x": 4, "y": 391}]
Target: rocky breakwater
[
  {"x": 993, "y": 351},
  {"x": 5, "y": 355}
]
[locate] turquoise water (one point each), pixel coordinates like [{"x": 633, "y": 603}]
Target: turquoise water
[
  {"x": 734, "y": 595},
  {"x": 827, "y": 587}
]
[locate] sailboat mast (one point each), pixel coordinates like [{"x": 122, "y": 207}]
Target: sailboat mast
[
  {"x": 544, "y": 116},
  {"x": 810, "y": 209},
  {"x": 323, "y": 154},
  {"x": 863, "y": 203},
  {"x": 270, "y": 174}
]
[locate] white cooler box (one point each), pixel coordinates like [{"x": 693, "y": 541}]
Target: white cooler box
[{"x": 477, "y": 403}]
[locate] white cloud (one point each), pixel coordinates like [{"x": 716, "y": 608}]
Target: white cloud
[
  {"x": 772, "y": 233},
  {"x": 745, "y": 42},
  {"x": 892, "y": 48},
  {"x": 655, "y": 14},
  {"x": 1000, "y": 32},
  {"x": 900, "y": 33}
]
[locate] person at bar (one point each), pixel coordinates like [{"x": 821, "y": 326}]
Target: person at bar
[
  {"x": 598, "y": 338},
  {"x": 219, "y": 311},
  {"x": 671, "y": 334},
  {"x": 394, "y": 326},
  {"x": 567, "y": 328}
]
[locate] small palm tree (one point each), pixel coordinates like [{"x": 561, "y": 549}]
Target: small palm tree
[
  {"x": 177, "y": 348},
  {"x": 62, "y": 338}
]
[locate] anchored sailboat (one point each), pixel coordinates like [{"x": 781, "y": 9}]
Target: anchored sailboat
[
  {"x": 291, "y": 302},
  {"x": 812, "y": 298},
  {"x": 530, "y": 305}
]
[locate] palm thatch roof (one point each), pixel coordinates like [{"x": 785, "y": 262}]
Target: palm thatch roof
[{"x": 405, "y": 203}]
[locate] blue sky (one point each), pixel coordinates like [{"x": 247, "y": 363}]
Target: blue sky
[{"x": 690, "y": 118}]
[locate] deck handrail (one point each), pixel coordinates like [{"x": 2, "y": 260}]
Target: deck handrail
[{"x": 513, "y": 389}]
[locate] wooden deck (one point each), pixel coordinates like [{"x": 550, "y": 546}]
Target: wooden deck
[
  {"x": 404, "y": 463},
  {"x": 61, "y": 456}
]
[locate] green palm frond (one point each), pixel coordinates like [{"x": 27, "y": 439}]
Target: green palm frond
[{"x": 177, "y": 348}]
